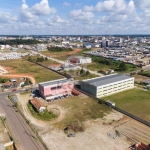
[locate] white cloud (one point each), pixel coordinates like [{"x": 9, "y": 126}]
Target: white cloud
[
  {"x": 43, "y": 8},
  {"x": 81, "y": 15},
  {"x": 142, "y": 3},
  {"x": 6, "y": 17},
  {"x": 88, "y": 8},
  {"x": 66, "y": 4},
  {"x": 33, "y": 13},
  {"x": 113, "y": 6}
]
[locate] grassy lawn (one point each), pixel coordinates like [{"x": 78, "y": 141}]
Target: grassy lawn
[
  {"x": 60, "y": 55},
  {"x": 45, "y": 62},
  {"x": 134, "y": 101},
  {"x": 20, "y": 66},
  {"x": 96, "y": 66},
  {"x": 41, "y": 115},
  {"x": 79, "y": 109},
  {"x": 140, "y": 78},
  {"x": 10, "y": 148}
]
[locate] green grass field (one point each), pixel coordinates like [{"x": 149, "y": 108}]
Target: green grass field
[
  {"x": 135, "y": 101},
  {"x": 20, "y": 66},
  {"x": 80, "y": 109},
  {"x": 96, "y": 66}
]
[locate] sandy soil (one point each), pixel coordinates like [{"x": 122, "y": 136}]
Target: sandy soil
[
  {"x": 98, "y": 134},
  {"x": 94, "y": 137},
  {"x": 23, "y": 99},
  {"x": 75, "y": 51}
]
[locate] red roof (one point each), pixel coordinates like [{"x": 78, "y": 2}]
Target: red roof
[{"x": 74, "y": 60}]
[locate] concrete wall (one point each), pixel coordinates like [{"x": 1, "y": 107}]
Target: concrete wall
[
  {"x": 108, "y": 89},
  {"x": 88, "y": 88},
  {"x": 115, "y": 87},
  {"x": 85, "y": 60},
  {"x": 65, "y": 88}
]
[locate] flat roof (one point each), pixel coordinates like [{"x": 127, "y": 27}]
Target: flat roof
[
  {"x": 60, "y": 81},
  {"x": 107, "y": 79}
]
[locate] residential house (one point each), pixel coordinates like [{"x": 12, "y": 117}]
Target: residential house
[{"x": 38, "y": 105}]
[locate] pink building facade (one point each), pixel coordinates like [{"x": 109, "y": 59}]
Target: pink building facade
[{"x": 56, "y": 88}]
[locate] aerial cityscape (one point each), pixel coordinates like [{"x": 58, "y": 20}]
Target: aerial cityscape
[{"x": 74, "y": 75}]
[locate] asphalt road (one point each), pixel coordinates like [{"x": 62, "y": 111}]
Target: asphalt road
[{"x": 22, "y": 133}]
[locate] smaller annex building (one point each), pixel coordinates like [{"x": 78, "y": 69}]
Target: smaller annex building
[
  {"x": 55, "y": 89},
  {"x": 107, "y": 85},
  {"x": 79, "y": 60}
]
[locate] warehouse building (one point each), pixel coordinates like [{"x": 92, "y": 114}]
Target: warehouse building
[
  {"x": 56, "y": 89},
  {"x": 107, "y": 85}
]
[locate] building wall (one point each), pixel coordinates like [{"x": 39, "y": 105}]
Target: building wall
[
  {"x": 115, "y": 87},
  {"x": 107, "y": 89},
  {"x": 56, "y": 89},
  {"x": 91, "y": 89},
  {"x": 85, "y": 60}
]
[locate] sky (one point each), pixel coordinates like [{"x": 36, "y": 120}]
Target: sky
[{"x": 74, "y": 17}]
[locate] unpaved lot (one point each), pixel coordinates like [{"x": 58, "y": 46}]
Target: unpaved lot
[{"x": 99, "y": 134}]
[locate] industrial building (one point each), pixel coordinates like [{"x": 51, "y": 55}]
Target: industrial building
[
  {"x": 56, "y": 89},
  {"x": 107, "y": 85},
  {"x": 79, "y": 60}
]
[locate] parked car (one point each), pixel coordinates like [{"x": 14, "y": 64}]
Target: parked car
[
  {"x": 71, "y": 135},
  {"x": 14, "y": 90}
]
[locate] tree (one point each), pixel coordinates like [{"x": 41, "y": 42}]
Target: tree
[
  {"x": 87, "y": 73},
  {"x": 46, "y": 58},
  {"x": 122, "y": 67},
  {"x": 82, "y": 72},
  {"x": 16, "y": 104}
]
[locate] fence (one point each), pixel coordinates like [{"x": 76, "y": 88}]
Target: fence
[
  {"x": 33, "y": 129},
  {"x": 117, "y": 109}
]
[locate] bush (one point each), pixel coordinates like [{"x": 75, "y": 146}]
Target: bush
[
  {"x": 58, "y": 49},
  {"x": 41, "y": 115}
]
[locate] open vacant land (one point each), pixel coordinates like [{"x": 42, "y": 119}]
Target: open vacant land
[
  {"x": 23, "y": 67},
  {"x": 96, "y": 66},
  {"x": 139, "y": 78},
  {"x": 99, "y": 122},
  {"x": 61, "y": 55},
  {"x": 134, "y": 101}
]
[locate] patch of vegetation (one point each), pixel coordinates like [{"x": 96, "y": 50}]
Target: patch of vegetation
[
  {"x": 144, "y": 73},
  {"x": 21, "y": 66},
  {"x": 36, "y": 59},
  {"x": 58, "y": 49},
  {"x": 79, "y": 110},
  {"x": 115, "y": 65},
  {"x": 41, "y": 115},
  {"x": 3, "y": 80},
  {"x": 134, "y": 101},
  {"x": 9, "y": 147},
  {"x": 19, "y": 41}
]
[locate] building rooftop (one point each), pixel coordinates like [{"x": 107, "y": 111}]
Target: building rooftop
[
  {"x": 37, "y": 103},
  {"x": 107, "y": 79},
  {"x": 60, "y": 81}
]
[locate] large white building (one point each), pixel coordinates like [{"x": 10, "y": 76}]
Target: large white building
[{"x": 107, "y": 85}]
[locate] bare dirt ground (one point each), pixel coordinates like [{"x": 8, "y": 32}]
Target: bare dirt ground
[
  {"x": 75, "y": 51},
  {"x": 99, "y": 134},
  {"x": 19, "y": 76},
  {"x": 140, "y": 78},
  {"x": 94, "y": 137},
  {"x": 23, "y": 99}
]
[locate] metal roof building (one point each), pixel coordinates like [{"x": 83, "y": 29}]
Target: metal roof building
[{"x": 107, "y": 85}]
